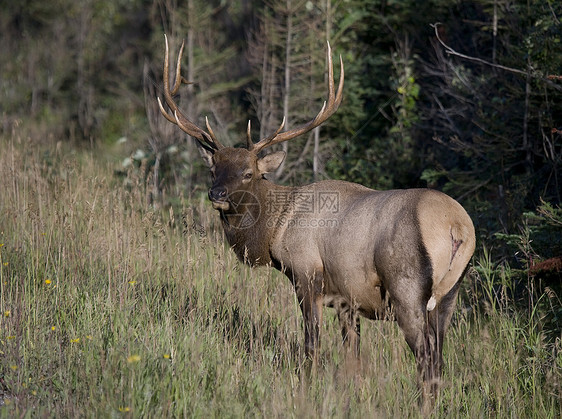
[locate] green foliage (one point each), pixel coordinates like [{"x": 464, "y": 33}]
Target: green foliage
[
  {"x": 540, "y": 236},
  {"x": 495, "y": 128}
]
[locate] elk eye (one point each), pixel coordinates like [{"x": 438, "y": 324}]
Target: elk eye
[{"x": 248, "y": 175}]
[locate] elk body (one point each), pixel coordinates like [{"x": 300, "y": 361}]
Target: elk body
[{"x": 342, "y": 245}]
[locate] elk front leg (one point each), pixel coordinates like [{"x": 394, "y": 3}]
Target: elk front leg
[
  {"x": 312, "y": 315},
  {"x": 309, "y": 293}
]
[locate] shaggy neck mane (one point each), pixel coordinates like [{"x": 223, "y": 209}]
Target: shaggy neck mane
[{"x": 250, "y": 225}]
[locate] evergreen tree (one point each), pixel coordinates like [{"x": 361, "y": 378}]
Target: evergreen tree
[{"x": 496, "y": 128}]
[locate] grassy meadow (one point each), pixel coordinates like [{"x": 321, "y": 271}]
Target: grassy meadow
[{"x": 112, "y": 309}]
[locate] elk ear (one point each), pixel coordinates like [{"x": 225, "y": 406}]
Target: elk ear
[
  {"x": 270, "y": 162},
  {"x": 207, "y": 156}
]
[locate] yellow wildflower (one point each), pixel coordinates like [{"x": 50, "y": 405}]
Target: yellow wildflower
[
  {"x": 7, "y": 313},
  {"x": 132, "y": 282},
  {"x": 48, "y": 281},
  {"x": 166, "y": 356},
  {"x": 53, "y": 328},
  {"x": 133, "y": 358},
  {"x": 14, "y": 367},
  {"x": 75, "y": 340},
  {"x": 124, "y": 409}
]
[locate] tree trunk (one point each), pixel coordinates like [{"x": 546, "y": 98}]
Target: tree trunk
[
  {"x": 316, "y": 152},
  {"x": 286, "y": 93}
]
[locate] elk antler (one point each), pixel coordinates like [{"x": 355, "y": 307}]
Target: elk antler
[
  {"x": 207, "y": 140},
  {"x": 331, "y": 106}
]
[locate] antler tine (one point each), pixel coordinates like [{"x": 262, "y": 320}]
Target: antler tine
[
  {"x": 330, "y": 73},
  {"x": 179, "y": 78},
  {"x": 339, "y": 95},
  {"x": 266, "y": 141},
  {"x": 249, "y": 142},
  {"x": 206, "y": 139},
  {"x": 328, "y": 109},
  {"x": 211, "y": 133},
  {"x": 165, "y": 112}
]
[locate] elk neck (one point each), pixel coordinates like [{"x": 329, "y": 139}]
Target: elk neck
[{"x": 251, "y": 223}]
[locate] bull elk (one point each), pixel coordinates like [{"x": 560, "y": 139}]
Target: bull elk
[{"x": 341, "y": 245}]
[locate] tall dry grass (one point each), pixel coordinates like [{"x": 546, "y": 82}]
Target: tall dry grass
[{"x": 110, "y": 309}]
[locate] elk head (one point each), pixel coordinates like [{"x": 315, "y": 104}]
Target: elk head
[{"x": 238, "y": 169}]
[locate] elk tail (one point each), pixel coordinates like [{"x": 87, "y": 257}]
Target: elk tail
[{"x": 461, "y": 249}]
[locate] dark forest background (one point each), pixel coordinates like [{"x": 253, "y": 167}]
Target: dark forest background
[{"x": 481, "y": 121}]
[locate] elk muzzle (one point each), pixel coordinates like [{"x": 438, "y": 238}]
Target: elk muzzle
[{"x": 218, "y": 196}]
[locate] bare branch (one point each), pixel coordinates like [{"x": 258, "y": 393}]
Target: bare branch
[{"x": 532, "y": 74}]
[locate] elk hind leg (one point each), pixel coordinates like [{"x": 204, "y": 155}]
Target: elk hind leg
[
  {"x": 423, "y": 343},
  {"x": 351, "y": 331},
  {"x": 438, "y": 323}
]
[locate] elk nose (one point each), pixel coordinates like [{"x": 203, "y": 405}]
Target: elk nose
[{"x": 217, "y": 193}]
